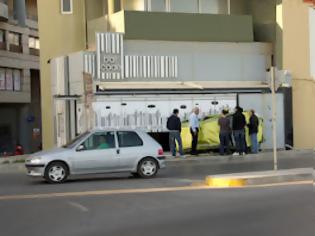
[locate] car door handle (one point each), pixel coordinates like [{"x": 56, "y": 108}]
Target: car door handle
[{"x": 118, "y": 151}]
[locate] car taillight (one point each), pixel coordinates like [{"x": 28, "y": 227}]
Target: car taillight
[{"x": 160, "y": 152}]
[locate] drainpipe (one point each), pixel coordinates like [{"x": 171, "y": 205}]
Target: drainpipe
[{"x": 20, "y": 12}]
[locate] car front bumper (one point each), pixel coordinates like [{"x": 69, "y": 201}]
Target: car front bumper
[{"x": 35, "y": 170}]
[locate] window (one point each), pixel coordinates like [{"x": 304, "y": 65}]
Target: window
[
  {"x": 15, "y": 42},
  {"x": 2, "y": 79},
  {"x": 8, "y": 80},
  {"x": 213, "y": 6},
  {"x": 15, "y": 39},
  {"x": 17, "y": 80},
  {"x": 99, "y": 141},
  {"x": 2, "y": 36},
  {"x": 186, "y": 6},
  {"x": 33, "y": 43},
  {"x": 132, "y": 5},
  {"x": 158, "y": 5},
  {"x": 3, "y": 45},
  {"x": 66, "y": 7},
  {"x": 129, "y": 139},
  {"x": 74, "y": 142}
]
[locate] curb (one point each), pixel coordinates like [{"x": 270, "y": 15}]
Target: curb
[
  {"x": 266, "y": 155},
  {"x": 260, "y": 178},
  {"x": 12, "y": 168},
  {"x": 12, "y": 159}
]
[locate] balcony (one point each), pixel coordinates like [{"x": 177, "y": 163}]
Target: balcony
[
  {"x": 183, "y": 26},
  {"x": 16, "y": 48},
  {"x": 4, "y": 11},
  {"x": 34, "y": 52},
  {"x": 3, "y": 46},
  {"x": 32, "y": 21}
]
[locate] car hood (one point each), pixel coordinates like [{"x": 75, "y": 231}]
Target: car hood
[{"x": 49, "y": 152}]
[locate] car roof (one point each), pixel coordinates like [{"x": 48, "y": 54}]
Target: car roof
[{"x": 116, "y": 129}]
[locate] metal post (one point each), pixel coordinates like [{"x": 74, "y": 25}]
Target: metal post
[
  {"x": 274, "y": 119},
  {"x": 229, "y": 6}
]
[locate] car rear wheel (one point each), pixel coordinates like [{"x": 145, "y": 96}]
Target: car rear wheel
[
  {"x": 147, "y": 168},
  {"x": 56, "y": 172}
]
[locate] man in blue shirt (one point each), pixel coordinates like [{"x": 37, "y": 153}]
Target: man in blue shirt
[{"x": 194, "y": 130}]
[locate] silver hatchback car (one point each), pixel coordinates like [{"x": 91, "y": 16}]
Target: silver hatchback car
[{"x": 97, "y": 152}]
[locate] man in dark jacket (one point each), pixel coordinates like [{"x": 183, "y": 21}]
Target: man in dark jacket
[
  {"x": 253, "y": 131},
  {"x": 174, "y": 126},
  {"x": 225, "y": 132},
  {"x": 239, "y": 123}
]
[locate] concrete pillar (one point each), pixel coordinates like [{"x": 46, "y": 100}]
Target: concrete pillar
[
  {"x": 19, "y": 7},
  {"x": 26, "y": 81},
  {"x": 25, "y": 47}
]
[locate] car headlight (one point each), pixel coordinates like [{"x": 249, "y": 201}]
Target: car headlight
[{"x": 35, "y": 160}]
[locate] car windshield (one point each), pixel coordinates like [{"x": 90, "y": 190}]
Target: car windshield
[{"x": 74, "y": 142}]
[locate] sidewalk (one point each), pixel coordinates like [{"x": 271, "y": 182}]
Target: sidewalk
[{"x": 265, "y": 155}]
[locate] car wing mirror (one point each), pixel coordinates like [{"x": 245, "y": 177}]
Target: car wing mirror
[{"x": 80, "y": 148}]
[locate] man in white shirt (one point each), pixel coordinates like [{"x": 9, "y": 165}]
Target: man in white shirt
[{"x": 194, "y": 130}]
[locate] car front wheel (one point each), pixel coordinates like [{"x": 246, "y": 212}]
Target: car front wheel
[
  {"x": 56, "y": 172},
  {"x": 147, "y": 168}
]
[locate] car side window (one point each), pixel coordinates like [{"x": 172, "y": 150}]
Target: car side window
[
  {"x": 129, "y": 139},
  {"x": 99, "y": 141}
]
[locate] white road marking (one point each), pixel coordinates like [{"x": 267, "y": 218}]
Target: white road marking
[{"x": 79, "y": 206}]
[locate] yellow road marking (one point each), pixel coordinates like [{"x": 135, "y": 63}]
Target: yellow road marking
[{"x": 225, "y": 182}]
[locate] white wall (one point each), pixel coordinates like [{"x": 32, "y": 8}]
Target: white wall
[
  {"x": 76, "y": 73},
  {"x": 58, "y": 76},
  {"x": 198, "y": 61},
  {"x": 136, "y": 114},
  {"x": 261, "y": 103}
]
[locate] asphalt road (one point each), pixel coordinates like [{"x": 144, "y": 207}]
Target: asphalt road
[
  {"x": 177, "y": 173},
  {"x": 285, "y": 210}
]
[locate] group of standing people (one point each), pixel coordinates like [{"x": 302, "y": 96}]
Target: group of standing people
[
  {"x": 226, "y": 129},
  {"x": 238, "y": 131}
]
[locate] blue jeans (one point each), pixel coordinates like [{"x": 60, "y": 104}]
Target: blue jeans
[
  {"x": 173, "y": 137},
  {"x": 224, "y": 142},
  {"x": 239, "y": 136},
  {"x": 254, "y": 141}
]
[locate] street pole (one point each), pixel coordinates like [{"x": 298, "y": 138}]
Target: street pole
[{"x": 274, "y": 119}]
